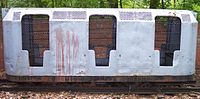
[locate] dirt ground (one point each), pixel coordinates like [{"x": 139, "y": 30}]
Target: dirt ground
[{"x": 78, "y": 95}]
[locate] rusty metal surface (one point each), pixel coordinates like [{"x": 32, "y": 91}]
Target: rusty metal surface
[
  {"x": 164, "y": 79},
  {"x": 1, "y": 48},
  {"x": 198, "y": 49},
  {"x": 198, "y": 56}
]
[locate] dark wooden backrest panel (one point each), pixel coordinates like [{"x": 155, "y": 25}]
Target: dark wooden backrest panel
[
  {"x": 198, "y": 49},
  {"x": 1, "y": 47}
]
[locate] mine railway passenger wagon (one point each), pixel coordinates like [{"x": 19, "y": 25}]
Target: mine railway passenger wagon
[{"x": 99, "y": 45}]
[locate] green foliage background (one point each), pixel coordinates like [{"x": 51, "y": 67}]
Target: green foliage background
[{"x": 193, "y": 5}]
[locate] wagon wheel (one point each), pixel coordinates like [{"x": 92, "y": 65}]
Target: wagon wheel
[{"x": 145, "y": 85}]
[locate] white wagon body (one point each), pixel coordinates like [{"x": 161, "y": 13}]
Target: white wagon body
[{"x": 69, "y": 53}]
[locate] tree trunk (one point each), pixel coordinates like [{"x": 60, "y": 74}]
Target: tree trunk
[
  {"x": 53, "y": 3},
  {"x": 4, "y": 3},
  {"x": 121, "y": 4},
  {"x": 101, "y": 5},
  {"x": 163, "y": 4},
  {"x": 38, "y": 3},
  {"x": 113, "y": 3},
  {"x": 174, "y": 3},
  {"x": 154, "y": 4}
]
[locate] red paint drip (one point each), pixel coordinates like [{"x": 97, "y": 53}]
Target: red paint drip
[
  {"x": 59, "y": 52},
  {"x": 68, "y": 49},
  {"x": 75, "y": 47},
  {"x": 62, "y": 66}
]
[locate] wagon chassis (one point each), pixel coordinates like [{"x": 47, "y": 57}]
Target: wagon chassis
[
  {"x": 125, "y": 88},
  {"x": 102, "y": 84},
  {"x": 57, "y": 79}
]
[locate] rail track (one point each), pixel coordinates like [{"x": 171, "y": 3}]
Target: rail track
[{"x": 102, "y": 87}]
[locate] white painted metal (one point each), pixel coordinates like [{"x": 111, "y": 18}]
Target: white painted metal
[{"x": 134, "y": 54}]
